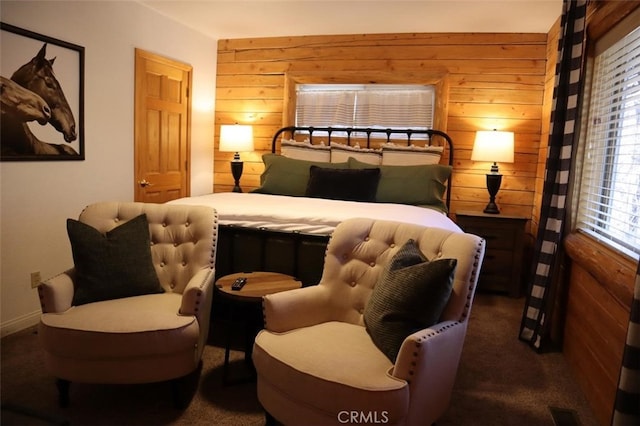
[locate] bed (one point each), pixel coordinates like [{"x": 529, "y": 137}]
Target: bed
[{"x": 316, "y": 177}]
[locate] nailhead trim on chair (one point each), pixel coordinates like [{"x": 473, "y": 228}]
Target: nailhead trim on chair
[
  {"x": 199, "y": 294},
  {"x": 424, "y": 337},
  {"x": 264, "y": 314},
  {"x": 464, "y": 315},
  {"x": 212, "y": 259},
  {"x": 472, "y": 279}
]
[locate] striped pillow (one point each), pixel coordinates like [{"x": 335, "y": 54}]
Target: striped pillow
[
  {"x": 305, "y": 151},
  {"x": 341, "y": 152},
  {"x": 394, "y": 155}
]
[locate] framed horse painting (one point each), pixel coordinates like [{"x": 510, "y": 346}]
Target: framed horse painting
[{"x": 42, "y": 90}]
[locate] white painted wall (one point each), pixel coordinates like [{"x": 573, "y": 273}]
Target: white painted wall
[{"x": 36, "y": 198}]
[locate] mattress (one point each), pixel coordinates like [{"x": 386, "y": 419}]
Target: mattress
[{"x": 308, "y": 215}]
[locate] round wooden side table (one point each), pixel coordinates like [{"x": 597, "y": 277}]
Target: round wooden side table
[
  {"x": 243, "y": 301},
  {"x": 258, "y": 284}
]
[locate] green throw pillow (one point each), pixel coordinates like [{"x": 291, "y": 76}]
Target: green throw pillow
[
  {"x": 415, "y": 185},
  {"x": 289, "y": 176},
  {"x": 112, "y": 265},
  {"x": 409, "y": 296}
]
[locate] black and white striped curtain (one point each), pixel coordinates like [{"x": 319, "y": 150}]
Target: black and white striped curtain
[
  {"x": 564, "y": 122},
  {"x": 626, "y": 411}
]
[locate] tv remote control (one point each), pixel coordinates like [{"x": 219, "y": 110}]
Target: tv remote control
[{"x": 238, "y": 283}]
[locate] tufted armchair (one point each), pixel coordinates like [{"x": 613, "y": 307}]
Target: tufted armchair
[
  {"x": 316, "y": 363},
  {"x": 145, "y": 338}
]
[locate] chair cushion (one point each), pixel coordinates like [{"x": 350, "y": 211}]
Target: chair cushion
[
  {"x": 410, "y": 295},
  {"x": 129, "y": 327},
  {"x": 336, "y": 367},
  {"x": 112, "y": 265}
]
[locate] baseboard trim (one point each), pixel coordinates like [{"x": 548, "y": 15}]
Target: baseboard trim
[{"x": 20, "y": 323}]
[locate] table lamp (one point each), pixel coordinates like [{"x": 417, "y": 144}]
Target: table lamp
[
  {"x": 236, "y": 138},
  {"x": 494, "y": 146}
]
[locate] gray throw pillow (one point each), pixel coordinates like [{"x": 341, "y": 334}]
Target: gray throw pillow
[
  {"x": 410, "y": 295},
  {"x": 112, "y": 265}
]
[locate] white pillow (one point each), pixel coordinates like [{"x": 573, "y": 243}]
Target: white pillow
[
  {"x": 305, "y": 151},
  {"x": 341, "y": 153},
  {"x": 395, "y": 155}
]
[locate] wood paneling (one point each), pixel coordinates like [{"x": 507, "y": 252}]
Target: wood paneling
[
  {"x": 597, "y": 316},
  {"x": 549, "y": 82},
  {"x": 492, "y": 81}
]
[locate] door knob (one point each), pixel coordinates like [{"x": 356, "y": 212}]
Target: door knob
[{"x": 144, "y": 183}]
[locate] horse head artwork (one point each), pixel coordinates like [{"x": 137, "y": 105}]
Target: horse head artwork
[
  {"x": 37, "y": 75},
  {"x": 34, "y": 94},
  {"x": 22, "y": 104}
]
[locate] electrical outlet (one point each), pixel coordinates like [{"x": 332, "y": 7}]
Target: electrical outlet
[{"x": 35, "y": 279}]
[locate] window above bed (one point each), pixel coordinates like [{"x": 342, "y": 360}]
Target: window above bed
[
  {"x": 437, "y": 79},
  {"x": 394, "y": 106}
]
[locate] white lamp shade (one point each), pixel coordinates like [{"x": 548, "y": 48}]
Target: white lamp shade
[
  {"x": 494, "y": 146},
  {"x": 236, "y": 138}
]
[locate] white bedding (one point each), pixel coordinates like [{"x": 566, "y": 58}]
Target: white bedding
[{"x": 308, "y": 215}]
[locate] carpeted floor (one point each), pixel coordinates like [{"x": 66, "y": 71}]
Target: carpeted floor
[{"x": 501, "y": 381}]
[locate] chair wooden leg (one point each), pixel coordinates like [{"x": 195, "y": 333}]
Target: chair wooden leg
[
  {"x": 63, "y": 392},
  {"x": 177, "y": 394},
  {"x": 184, "y": 388},
  {"x": 269, "y": 420}
]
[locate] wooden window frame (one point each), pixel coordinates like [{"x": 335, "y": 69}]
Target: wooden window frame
[{"x": 439, "y": 80}]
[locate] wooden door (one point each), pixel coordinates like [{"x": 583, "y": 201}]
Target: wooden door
[{"x": 162, "y": 128}]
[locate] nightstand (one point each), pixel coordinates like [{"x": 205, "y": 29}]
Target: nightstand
[{"x": 502, "y": 266}]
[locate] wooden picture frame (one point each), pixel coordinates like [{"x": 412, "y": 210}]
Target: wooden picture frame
[{"x": 42, "y": 97}]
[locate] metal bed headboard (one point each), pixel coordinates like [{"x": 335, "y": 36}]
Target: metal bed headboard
[{"x": 358, "y": 131}]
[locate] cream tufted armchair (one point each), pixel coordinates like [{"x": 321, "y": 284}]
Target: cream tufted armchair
[
  {"x": 141, "y": 339},
  {"x": 315, "y": 361}
]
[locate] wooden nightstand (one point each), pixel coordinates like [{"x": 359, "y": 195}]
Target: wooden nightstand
[{"x": 502, "y": 266}]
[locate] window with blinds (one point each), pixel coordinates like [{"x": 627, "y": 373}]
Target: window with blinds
[
  {"x": 371, "y": 106},
  {"x": 609, "y": 191}
]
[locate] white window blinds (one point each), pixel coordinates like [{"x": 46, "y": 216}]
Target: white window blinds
[
  {"x": 325, "y": 108},
  {"x": 375, "y": 106},
  {"x": 395, "y": 109},
  {"x": 609, "y": 195}
]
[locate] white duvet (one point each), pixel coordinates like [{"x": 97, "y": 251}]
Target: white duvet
[{"x": 308, "y": 215}]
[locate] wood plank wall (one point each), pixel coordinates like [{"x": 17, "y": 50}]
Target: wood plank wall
[
  {"x": 552, "y": 55},
  {"x": 597, "y": 316},
  {"x": 494, "y": 80}
]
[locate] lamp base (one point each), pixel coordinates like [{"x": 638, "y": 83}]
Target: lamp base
[
  {"x": 494, "y": 180},
  {"x": 492, "y": 208},
  {"x": 236, "y": 171}
]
